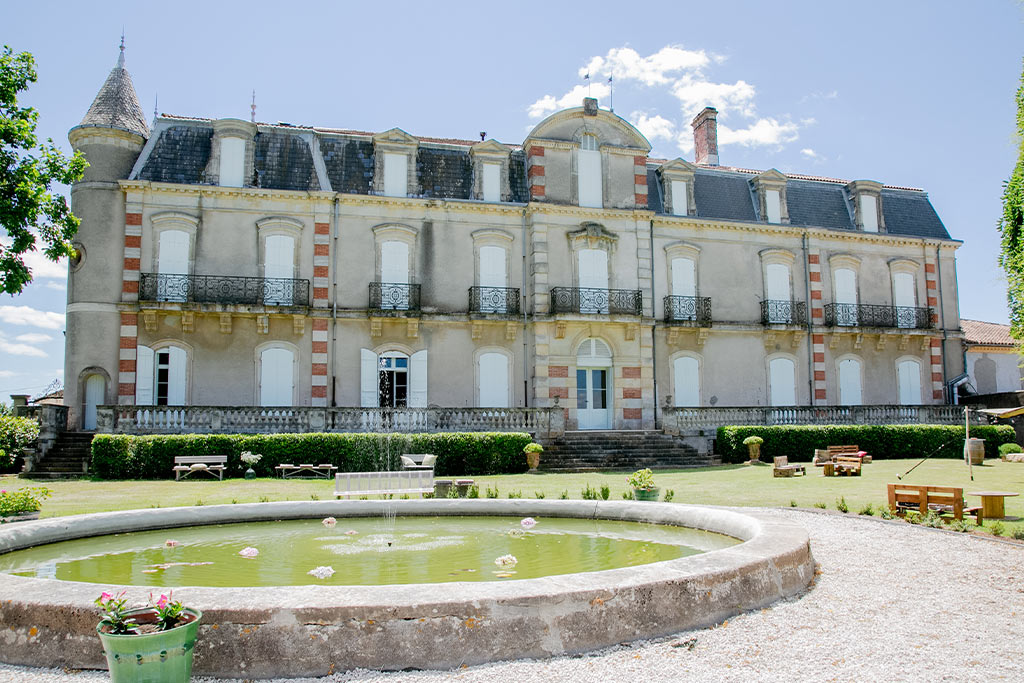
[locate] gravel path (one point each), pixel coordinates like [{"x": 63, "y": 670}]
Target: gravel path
[{"x": 892, "y": 602}]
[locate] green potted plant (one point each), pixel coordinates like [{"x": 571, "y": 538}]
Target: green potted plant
[
  {"x": 533, "y": 451},
  {"x": 753, "y": 444},
  {"x": 152, "y": 643},
  {"x": 250, "y": 459},
  {"x": 24, "y": 504},
  {"x": 642, "y": 482}
]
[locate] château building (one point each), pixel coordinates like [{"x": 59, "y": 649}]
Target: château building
[{"x": 232, "y": 263}]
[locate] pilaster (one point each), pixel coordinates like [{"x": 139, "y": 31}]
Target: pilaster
[{"x": 817, "y": 318}]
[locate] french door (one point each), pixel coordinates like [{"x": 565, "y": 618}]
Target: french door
[{"x": 592, "y": 398}]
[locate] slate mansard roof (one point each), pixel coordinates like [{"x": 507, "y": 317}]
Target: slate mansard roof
[{"x": 285, "y": 159}]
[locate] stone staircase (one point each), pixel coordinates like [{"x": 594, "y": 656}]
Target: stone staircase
[
  {"x": 626, "y": 450},
  {"x": 68, "y": 458}
]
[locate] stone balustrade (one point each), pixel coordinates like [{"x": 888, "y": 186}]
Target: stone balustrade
[
  {"x": 677, "y": 420},
  {"x": 52, "y": 419}
]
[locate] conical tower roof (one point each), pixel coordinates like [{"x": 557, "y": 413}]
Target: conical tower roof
[{"x": 116, "y": 105}]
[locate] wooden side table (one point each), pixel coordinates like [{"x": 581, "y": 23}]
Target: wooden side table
[
  {"x": 993, "y": 503},
  {"x": 828, "y": 469}
]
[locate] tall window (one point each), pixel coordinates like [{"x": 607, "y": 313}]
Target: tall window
[
  {"x": 869, "y": 212},
  {"x": 680, "y": 201},
  {"x": 493, "y": 275},
  {"x": 277, "y": 377},
  {"x": 773, "y": 206},
  {"x": 904, "y": 298},
  {"x": 95, "y": 388},
  {"x": 396, "y": 174},
  {"x": 160, "y": 376},
  {"x": 588, "y": 173},
  {"x": 845, "y": 283},
  {"x": 172, "y": 260},
  {"x": 232, "y": 162},
  {"x": 279, "y": 264},
  {"x": 782, "y": 382},
  {"x": 492, "y": 380},
  {"x": 776, "y": 289},
  {"x": 593, "y": 274},
  {"x": 686, "y": 374},
  {"x": 850, "y": 382},
  {"x": 492, "y": 182},
  {"x": 908, "y": 378},
  {"x": 393, "y": 380}
]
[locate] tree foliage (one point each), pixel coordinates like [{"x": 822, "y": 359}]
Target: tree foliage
[
  {"x": 29, "y": 210},
  {"x": 1011, "y": 226}
]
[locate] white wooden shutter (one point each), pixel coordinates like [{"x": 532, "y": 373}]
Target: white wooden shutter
[
  {"x": 418, "y": 380},
  {"x": 687, "y": 381},
  {"x": 172, "y": 257},
  {"x": 396, "y": 174},
  {"x": 593, "y": 268},
  {"x": 849, "y": 382},
  {"x": 176, "y": 376},
  {"x": 492, "y": 267},
  {"x": 394, "y": 263},
  {"x": 684, "y": 280},
  {"x": 280, "y": 257},
  {"x": 232, "y": 162},
  {"x": 277, "y": 381},
  {"x": 903, "y": 290},
  {"x": 845, "y": 286},
  {"x": 869, "y": 213},
  {"x": 680, "y": 200},
  {"x": 783, "y": 382},
  {"x": 144, "y": 373},
  {"x": 773, "y": 206},
  {"x": 909, "y": 379},
  {"x": 777, "y": 286},
  {"x": 492, "y": 182},
  {"x": 369, "y": 393},
  {"x": 493, "y": 380},
  {"x": 588, "y": 174}
]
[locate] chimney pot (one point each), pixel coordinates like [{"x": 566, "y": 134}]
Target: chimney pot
[
  {"x": 589, "y": 106},
  {"x": 705, "y": 137}
]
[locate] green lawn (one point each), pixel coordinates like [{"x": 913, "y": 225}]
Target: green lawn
[{"x": 740, "y": 485}]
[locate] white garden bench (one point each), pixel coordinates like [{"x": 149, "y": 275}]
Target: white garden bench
[
  {"x": 214, "y": 465},
  {"x": 347, "y": 484}
]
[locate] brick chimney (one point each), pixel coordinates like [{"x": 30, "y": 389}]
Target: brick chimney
[{"x": 705, "y": 137}]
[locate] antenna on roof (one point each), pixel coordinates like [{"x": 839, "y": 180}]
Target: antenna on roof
[
  {"x": 120, "y": 58},
  {"x": 253, "y": 107}
]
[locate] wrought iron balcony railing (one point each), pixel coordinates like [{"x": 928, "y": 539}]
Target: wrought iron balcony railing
[
  {"x": 688, "y": 310},
  {"x": 783, "y": 312},
  {"x": 224, "y": 289},
  {"x": 871, "y": 315},
  {"x": 392, "y": 296},
  {"x": 504, "y": 300},
  {"x": 598, "y": 301}
]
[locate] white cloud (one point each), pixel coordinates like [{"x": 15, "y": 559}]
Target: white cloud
[
  {"x": 653, "y": 127},
  {"x": 625, "y": 64},
  {"x": 58, "y": 286},
  {"x": 820, "y": 95},
  {"x": 695, "y": 94},
  {"x": 41, "y": 266},
  {"x": 21, "y": 349},
  {"x": 810, "y": 153},
  {"x": 24, "y": 315},
  {"x": 573, "y": 98},
  {"x": 762, "y": 132},
  {"x": 33, "y": 338}
]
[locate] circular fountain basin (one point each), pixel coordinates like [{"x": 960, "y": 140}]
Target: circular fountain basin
[{"x": 310, "y": 630}]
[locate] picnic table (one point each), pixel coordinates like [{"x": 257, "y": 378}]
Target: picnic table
[{"x": 993, "y": 502}]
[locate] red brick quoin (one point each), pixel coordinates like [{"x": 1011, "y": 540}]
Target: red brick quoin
[{"x": 632, "y": 413}]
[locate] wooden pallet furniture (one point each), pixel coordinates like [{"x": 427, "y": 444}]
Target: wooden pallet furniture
[
  {"x": 306, "y": 470},
  {"x": 850, "y": 449},
  {"x": 782, "y": 468},
  {"x": 945, "y": 500},
  {"x": 185, "y": 465},
  {"x": 348, "y": 484},
  {"x": 848, "y": 465}
]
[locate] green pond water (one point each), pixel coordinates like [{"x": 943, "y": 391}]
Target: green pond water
[{"x": 361, "y": 551}]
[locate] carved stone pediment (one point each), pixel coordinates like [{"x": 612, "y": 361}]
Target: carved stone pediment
[
  {"x": 395, "y": 136},
  {"x": 489, "y": 148},
  {"x": 593, "y": 236}
]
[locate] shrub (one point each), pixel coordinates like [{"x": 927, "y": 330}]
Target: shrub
[
  {"x": 753, "y": 441},
  {"x": 932, "y": 519},
  {"x": 474, "y": 492},
  {"x": 1018, "y": 533},
  {"x": 627, "y": 495},
  {"x": 492, "y": 493},
  {"x": 792, "y": 503},
  {"x": 841, "y": 505},
  {"x": 515, "y": 494},
  {"x": 642, "y": 479},
  {"x": 669, "y": 495},
  {"x": 868, "y": 510},
  {"x": 997, "y": 529},
  {"x": 913, "y": 517},
  {"x": 606, "y": 491},
  {"x": 589, "y": 493},
  {"x": 15, "y": 433},
  {"x": 538, "y": 494},
  {"x": 23, "y": 500},
  {"x": 881, "y": 441},
  {"x": 564, "y": 495},
  {"x": 1007, "y": 448},
  {"x": 820, "y": 505},
  {"x": 885, "y": 512},
  {"x": 123, "y": 456},
  {"x": 961, "y": 525}
]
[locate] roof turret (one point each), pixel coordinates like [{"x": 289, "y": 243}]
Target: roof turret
[{"x": 116, "y": 105}]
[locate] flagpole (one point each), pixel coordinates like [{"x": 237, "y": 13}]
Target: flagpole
[{"x": 611, "y": 95}]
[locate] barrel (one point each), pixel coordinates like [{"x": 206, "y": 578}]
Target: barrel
[{"x": 975, "y": 451}]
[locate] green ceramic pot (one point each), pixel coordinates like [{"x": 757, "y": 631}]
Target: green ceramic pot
[
  {"x": 250, "y": 473},
  {"x": 160, "y": 657},
  {"x": 646, "y": 494}
]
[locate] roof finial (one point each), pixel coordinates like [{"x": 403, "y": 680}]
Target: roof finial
[
  {"x": 253, "y": 107},
  {"x": 120, "y": 58},
  {"x": 156, "y": 107}
]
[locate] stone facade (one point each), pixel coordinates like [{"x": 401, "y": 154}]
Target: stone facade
[{"x": 200, "y": 294}]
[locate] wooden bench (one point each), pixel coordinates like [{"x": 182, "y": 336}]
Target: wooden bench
[
  {"x": 946, "y": 500},
  {"x": 288, "y": 470},
  {"x": 214, "y": 465},
  {"x": 847, "y": 465},
  {"x": 852, "y": 449},
  {"x": 348, "y": 484},
  {"x": 784, "y": 469}
]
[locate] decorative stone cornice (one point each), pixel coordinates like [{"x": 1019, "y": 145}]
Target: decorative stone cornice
[
  {"x": 93, "y": 134},
  {"x": 395, "y": 138},
  {"x": 592, "y": 235},
  {"x": 234, "y": 128}
]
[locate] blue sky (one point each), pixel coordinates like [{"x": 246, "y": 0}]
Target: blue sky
[{"x": 917, "y": 94}]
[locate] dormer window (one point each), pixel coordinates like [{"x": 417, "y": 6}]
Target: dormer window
[
  {"x": 770, "y": 188},
  {"x": 680, "y": 203},
  {"x": 588, "y": 173},
  {"x": 228, "y": 166},
  {"x": 492, "y": 182},
  {"x": 773, "y": 206},
  {"x": 869, "y": 211},
  {"x": 232, "y": 162},
  {"x": 396, "y": 174},
  {"x": 866, "y": 196}
]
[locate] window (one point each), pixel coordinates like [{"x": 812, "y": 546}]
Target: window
[
  {"x": 588, "y": 173},
  {"x": 776, "y": 288},
  {"x": 773, "y": 206},
  {"x": 492, "y": 380},
  {"x": 904, "y": 299},
  {"x": 850, "y": 382},
  {"x": 782, "y": 382},
  {"x": 908, "y": 380},
  {"x": 396, "y": 174},
  {"x": 680, "y": 202},
  {"x": 277, "y": 377},
  {"x": 845, "y": 284},
  {"x": 279, "y": 264},
  {"x": 492, "y": 182},
  {"x": 160, "y": 375},
  {"x": 869, "y": 212},
  {"x": 493, "y": 276},
  {"x": 686, "y": 375},
  {"x": 232, "y": 162},
  {"x": 393, "y": 379},
  {"x": 593, "y": 274},
  {"x": 593, "y": 389}
]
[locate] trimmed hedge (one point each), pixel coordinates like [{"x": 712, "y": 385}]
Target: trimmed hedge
[
  {"x": 123, "y": 456},
  {"x": 881, "y": 441}
]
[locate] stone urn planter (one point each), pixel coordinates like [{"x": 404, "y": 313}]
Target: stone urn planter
[
  {"x": 533, "y": 451},
  {"x": 156, "y": 656},
  {"x": 753, "y": 444}
]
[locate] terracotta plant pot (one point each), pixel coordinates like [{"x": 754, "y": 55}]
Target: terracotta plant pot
[{"x": 161, "y": 656}]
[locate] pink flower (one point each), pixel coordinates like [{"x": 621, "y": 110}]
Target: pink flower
[
  {"x": 104, "y": 596},
  {"x": 170, "y": 543},
  {"x": 3, "y": 490},
  {"x": 528, "y": 523},
  {"x": 162, "y": 602}
]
